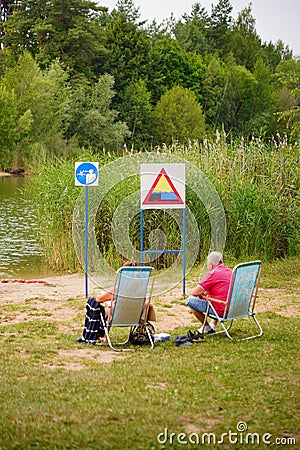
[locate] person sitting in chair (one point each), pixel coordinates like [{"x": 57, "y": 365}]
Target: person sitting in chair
[
  {"x": 102, "y": 305},
  {"x": 214, "y": 285},
  {"x": 108, "y": 297}
]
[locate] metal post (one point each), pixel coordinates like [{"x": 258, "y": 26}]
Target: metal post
[
  {"x": 142, "y": 237},
  {"x": 158, "y": 252},
  {"x": 184, "y": 251},
  {"x": 86, "y": 241}
]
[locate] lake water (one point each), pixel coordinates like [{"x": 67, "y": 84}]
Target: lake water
[{"x": 20, "y": 251}]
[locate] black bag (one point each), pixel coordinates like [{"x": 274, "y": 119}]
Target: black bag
[
  {"x": 93, "y": 325},
  {"x": 139, "y": 335}
]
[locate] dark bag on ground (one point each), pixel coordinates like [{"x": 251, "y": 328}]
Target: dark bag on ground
[
  {"x": 93, "y": 326},
  {"x": 139, "y": 335}
]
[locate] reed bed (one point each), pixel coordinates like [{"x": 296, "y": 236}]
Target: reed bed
[{"x": 258, "y": 185}]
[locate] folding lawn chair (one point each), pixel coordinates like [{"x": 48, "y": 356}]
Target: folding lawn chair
[
  {"x": 241, "y": 297},
  {"x": 133, "y": 288}
]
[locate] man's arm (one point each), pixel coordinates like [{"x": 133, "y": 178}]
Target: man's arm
[
  {"x": 105, "y": 297},
  {"x": 198, "y": 291}
]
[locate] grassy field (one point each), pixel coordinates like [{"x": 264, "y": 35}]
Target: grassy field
[{"x": 56, "y": 394}]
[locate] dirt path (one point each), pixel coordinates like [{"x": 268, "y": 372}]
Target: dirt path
[{"x": 51, "y": 297}]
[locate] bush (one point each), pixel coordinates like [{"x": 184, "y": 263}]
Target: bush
[{"x": 178, "y": 117}]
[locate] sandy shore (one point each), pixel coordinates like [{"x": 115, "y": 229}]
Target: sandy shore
[
  {"x": 52, "y": 293},
  {"x": 48, "y": 302},
  {"x": 5, "y": 174},
  {"x": 53, "y": 288}
]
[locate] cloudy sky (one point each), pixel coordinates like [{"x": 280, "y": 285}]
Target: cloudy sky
[{"x": 275, "y": 19}]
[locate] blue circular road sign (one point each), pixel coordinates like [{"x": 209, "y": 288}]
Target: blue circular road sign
[{"x": 86, "y": 174}]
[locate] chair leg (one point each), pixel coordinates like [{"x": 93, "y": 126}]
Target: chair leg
[
  {"x": 226, "y": 329},
  {"x": 220, "y": 320},
  {"x": 150, "y": 337},
  {"x": 245, "y": 338},
  {"x": 114, "y": 348},
  {"x": 106, "y": 331},
  {"x": 258, "y": 326},
  {"x": 109, "y": 341}
]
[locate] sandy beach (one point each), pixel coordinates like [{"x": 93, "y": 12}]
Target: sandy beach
[{"x": 50, "y": 294}]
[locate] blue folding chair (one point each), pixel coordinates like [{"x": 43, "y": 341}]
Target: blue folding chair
[
  {"x": 241, "y": 298},
  {"x": 133, "y": 288}
]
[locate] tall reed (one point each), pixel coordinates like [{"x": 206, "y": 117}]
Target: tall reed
[
  {"x": 257, "y": 184},
  {"x": 259, "y": 187}
]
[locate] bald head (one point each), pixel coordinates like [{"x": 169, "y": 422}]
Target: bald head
[{"x": 213, "y": 259}]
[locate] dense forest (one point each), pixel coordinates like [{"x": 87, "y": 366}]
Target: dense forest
[
  {"x": 75, "y": 76},
  {"x": 78, "y": 82}
]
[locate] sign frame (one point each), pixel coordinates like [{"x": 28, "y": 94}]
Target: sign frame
[{"x": 152, "y": 182}]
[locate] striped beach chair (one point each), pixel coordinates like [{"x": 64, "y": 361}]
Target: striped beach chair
[
  {"x": 241, "y": 298},
  {"x": 133, "y": 288}
]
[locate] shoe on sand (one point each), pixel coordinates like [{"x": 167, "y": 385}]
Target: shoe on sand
[{"x": 206, "y": 330}]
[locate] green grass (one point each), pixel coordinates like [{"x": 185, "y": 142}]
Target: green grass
[{"x": 57, "y": 395}]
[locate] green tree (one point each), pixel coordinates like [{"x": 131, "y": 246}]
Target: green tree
[
  {"x": 191, "y": 31},
  {"x": 273, "y": 54},
  {"x": 238, "y": 98},
  {"x": 288, "y": 98},
  {"x": 42, "y": 102},
  {"x": 219, "y": 28},
  {"x": 8, "y": 119},
  {"x": 178, "y": 117},
  {"x": 68, "y": 30},
  {"x": 245, "y": 43},
  {"x": 129, "y": 48},
  {"x": 93, "y": 121},
  {"x": 137, "y": 110},
  {"x": 263, "y": 104},
  {"x": 214, "y": 82},
  {"x": 171, "y": 66},
  {"x": 128, "y": 10},
  {"x": 167, "y": 66},
  {"x": 241, "y": 101}
]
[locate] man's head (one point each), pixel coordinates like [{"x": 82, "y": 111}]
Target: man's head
[
  {"x": 213, "y": 259},
  {"x": 129, "y": 263}
]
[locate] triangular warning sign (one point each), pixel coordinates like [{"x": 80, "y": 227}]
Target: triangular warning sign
[{"x": 163, "y": 191}]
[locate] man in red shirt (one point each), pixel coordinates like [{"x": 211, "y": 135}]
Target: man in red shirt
[{"x": 215, "y": 284}]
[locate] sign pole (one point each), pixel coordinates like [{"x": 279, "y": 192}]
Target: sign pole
[
  {"x": 86, "y": 174},
  {"x": 86, "y": 241},
  {"x": 142, "y": 237},
  {"x": 184, "y": 250}
]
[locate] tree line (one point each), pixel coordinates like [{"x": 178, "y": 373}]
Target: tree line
[{"x": 73, "y": 75}]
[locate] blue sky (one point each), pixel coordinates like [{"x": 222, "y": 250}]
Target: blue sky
[{"x": 275, "y": 19}]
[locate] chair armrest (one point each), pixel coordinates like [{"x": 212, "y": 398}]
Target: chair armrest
[{"x": 205, "y": 297}]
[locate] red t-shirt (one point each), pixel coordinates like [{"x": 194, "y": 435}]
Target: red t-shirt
[{"x": 216, "y": 284}]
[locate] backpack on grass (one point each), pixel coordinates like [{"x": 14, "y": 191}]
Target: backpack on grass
[{"x": 139, "y": 335}]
